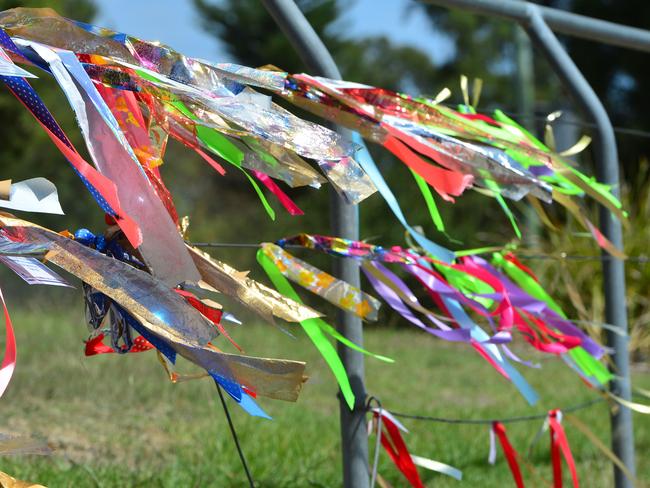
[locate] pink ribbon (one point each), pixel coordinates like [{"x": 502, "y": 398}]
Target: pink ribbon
[{"x": 9, "y": 360}]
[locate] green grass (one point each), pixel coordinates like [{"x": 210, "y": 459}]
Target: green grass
[{"x": 117, "y": 422}]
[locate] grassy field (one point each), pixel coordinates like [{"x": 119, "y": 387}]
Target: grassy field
[{"x": 117, "y": 421}]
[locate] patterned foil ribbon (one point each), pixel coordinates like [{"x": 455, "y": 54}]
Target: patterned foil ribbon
[{"x": 335, "y": 291}]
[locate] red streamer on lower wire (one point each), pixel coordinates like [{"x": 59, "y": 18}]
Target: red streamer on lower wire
[
  {"x": 394, "y": 444},
  {"x": 509, "y": 452},
  {"x": 560, "y": 445}
]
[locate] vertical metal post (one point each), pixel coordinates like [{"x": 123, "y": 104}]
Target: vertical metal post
[
  {"x": 345, "y": 223},
  {"x": 534, "y": 18},
  {"x": 525, "y": 97},
  {"x": 606, "y": 158}
]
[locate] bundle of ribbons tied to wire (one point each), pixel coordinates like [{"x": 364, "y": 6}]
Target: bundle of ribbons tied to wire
[{"x": 147, "y": 288}]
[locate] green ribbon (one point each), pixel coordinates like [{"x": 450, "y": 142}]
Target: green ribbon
[
  {"x": 431, "y": 203},
  {"x": 216, "y": 142},
  {"x": 316, "y": 329}
]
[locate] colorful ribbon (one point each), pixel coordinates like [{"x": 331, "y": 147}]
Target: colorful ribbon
[{"x": 9, "y": 359}]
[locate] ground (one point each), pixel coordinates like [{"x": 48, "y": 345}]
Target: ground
[{"x": 116, "y": 421}]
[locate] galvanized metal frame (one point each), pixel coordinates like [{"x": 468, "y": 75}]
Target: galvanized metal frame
[
  {"x": 539, "y": 22},
  {"x": 345, "y": 223}
]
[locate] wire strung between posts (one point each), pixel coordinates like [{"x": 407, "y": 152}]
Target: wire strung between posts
[
  {"x": 505, "y": 420},
  {"x": 550, "y": 257},
  {"x": 251, "y": 483},
  {"x": 627, "y": 131},
  {"x": 581, "y": 123}
]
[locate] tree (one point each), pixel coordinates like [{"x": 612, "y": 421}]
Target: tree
[{"x": 26, "y": 151}]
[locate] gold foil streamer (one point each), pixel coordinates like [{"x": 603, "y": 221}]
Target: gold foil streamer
[
  {"x": 5, "y": 189},
  {"x": 163, "y": 312},
  {"x": 259, "y": 298},
  {"x": 7, "y": 481},
  {"x": 279, "y": 379}
]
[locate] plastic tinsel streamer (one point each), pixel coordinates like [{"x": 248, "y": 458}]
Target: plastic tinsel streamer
[
  {"x": 560, "y": 444},
  {"x": 102, "y": 189},
  {"x": 511, "y": 455},
  {"x": 316, "y": 330},
  {"x": 220, "y": 145},
  {"x": 9, "y": 359}
]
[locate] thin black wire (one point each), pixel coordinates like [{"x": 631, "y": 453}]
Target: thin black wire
[
  {"x": 620, "y": 130},
  {"x": 581, "y": 123},
  {"x": 251, "y": 483},
  {"x": 523, "y": 418},
  {"x": 559, "y": 257}
]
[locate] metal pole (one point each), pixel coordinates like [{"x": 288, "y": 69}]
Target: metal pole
[
  {"x": 533, "y": 18},
  {"x": 525, "y": 97},
  {"x": 559, "y": 20},
  {"x": 345, "y": 223},
  {"x": 607, "y": 168}
]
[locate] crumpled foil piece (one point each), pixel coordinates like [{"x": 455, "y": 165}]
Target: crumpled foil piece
[{"x": 264, "y": 301}]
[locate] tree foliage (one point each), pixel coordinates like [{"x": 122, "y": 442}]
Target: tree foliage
[{"x": 26, "y": 151}]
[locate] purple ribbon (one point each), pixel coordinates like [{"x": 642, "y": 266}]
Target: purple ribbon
[
  {"x": 397, "y": 304},
  {"x": 523, "y": 300}
]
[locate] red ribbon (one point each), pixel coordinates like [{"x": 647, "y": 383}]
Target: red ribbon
[
  {"x": 394, "y": 444},
  {"x": 102, "y": 185},
  {"x": 511, "y": 455},
  {"x": 446, "y": 183},
  {"x": 211, "y": 313},
  {"x": 9, "y": 360},
  {"x": 284, "y": 199},
  {"x": 481, "y": 117},
  {"x": 96, "y": 346},
  {"x": 560, "y": 445}
]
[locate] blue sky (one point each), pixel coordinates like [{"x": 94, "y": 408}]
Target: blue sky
[{"x": 176, "y": 23}]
